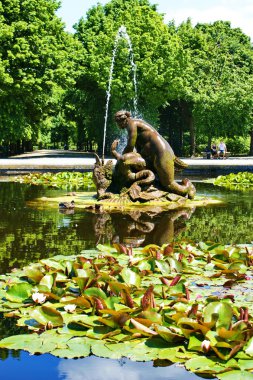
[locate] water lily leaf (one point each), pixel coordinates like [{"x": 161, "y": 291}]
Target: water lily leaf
[
  {"x": 81, "y": 301},
  {"x": 235, "y": 334},
  {"x": 34, "y": 274},
  {"x": 163, "y": 267},
  {"x": 238, "y": 266},
  {"x": 249, "y": 347},
  {"x": 104, "y": 351},
  {"x": 142, "y": 328},
  {"x": 150, "y": 247},
  {"x": 86, "y": 273},
  {"x": 19, "y": 292},
  {"x": 236, "y": 375},
  {"x": 17, "y": 342},
  {"x": 152, "y": 316},
  {"x": 245, "y": 364},
  {"x": 116, "y": 286},
  {"x": 144, "y": 265},
  {"x": 104, "y": 248},
  {"x": 130, "y": 277},
  {"x": 168, "y": 335},
  {"x": 219, "y": 314},
  {"x": 202, "y": 364},
  {"x": 195, "y": 343},
  {"x": 81, "y": 282},
  {"x": 189, "y": 326},
  {"x": 45, "y": 315},
  {"x": 76, "y": 348},
  {"x": 53, "y": 264},
  {"x": 95, "y": 292},
  {"x": 48, "y": 280},
  {"x": 175, "y": 265},
  {"x": 81, "y": 320}
]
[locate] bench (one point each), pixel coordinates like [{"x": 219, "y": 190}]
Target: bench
[{"x": 206, "y": 155}]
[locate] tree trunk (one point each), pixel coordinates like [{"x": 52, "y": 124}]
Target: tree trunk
[
  {"x": 192, "y": 135},
  {"x": 251, "y": 143},
  {"x": 186, "y": 109}
]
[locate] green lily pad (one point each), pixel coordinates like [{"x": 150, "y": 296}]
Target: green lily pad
[
  {"x": 130, "y": 277},
  {"x": 236, "y": 375},
  {"x": 19, "y": 292},
  {"x": 45, "y": 315}
]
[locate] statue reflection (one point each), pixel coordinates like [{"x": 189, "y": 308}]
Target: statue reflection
[{"x": 140, "y": 227}]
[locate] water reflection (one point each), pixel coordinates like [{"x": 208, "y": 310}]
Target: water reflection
[
  {"x": 138, "y": 228},
  {"x": 93, "y": 368},
  {"x": 27, "y": 234}
]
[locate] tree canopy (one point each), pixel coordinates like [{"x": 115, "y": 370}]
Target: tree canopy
[
  {"x": 36, "y": 64},
  {"x": 193, "y": 81}
]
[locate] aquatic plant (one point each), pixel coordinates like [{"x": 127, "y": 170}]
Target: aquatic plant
[
  {"x": 61, "y": 180},
  {"x": 238, "y": 181},
  {"x": 182, "y": 302}
]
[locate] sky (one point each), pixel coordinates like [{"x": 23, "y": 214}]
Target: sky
[{"x": 238, "y": 12}]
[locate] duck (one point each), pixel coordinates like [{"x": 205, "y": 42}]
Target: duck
[{"x": 67, "y": 205}]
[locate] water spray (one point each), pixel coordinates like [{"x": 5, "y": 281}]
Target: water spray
[{"x": 122, "y": 33}]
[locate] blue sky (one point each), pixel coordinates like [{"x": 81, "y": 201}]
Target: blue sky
[{"x": 238, "y": 12}]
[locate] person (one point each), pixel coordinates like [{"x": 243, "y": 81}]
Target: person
[
  {"x": 222, "y": 150},
  {"x": 207, "y": 152},
  {"x": 156, "y": 151},
  {"x": 214, "y": 152}
]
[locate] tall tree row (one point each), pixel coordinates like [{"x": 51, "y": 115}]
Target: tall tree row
[
  {"x": 194, "y": 83},
  {"x": 37, "y": 62}
]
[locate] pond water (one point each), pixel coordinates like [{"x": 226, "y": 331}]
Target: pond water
[{"x": 28, "y": 234}]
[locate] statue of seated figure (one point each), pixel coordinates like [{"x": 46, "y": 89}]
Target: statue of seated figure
[{"x": 156, "y": 152}]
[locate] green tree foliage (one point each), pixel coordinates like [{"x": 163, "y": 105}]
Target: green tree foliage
[
  {"x": 217, "y": 81},
  {"x": 36, "y": 64},
  {"x": 155, "y": 54}
]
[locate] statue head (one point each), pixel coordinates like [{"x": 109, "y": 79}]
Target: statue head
[{"x": 121, "y": 118}]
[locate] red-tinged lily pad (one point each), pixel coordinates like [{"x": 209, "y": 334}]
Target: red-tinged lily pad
[
  {"x": 168, "y": 335},
  {"x": 123, "y": 307}
]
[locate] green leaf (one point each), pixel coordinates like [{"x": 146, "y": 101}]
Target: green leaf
[
  {"x": 219, "y": 314},
  {"x": 203, "y": 365},
  {"x": 130, "y": 277},
  {"x": 19, "y": 292},
  {"x": 236, "y": 375},
  {"x": 17, "y": 342},
  {"x": 95, "y": 292},
  {"x": 45, "y": 315},
  {"x": 163, "y": 267}
]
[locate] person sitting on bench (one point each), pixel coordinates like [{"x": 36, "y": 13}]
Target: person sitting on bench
[
  {"x": 222, "y": 150},
  {"x": 214, "y": 153}
]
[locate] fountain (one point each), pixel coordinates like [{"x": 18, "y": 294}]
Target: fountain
[
  {"x": 122, "y": 33},
  {"x": 147, "y": 174}
]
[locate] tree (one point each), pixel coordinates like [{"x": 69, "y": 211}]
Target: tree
[
  {"x": 217, "y": 79},
  {"x": 37, "y": 61},
  {"x": 155, "y": 55}
]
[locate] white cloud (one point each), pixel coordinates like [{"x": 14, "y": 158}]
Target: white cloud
[{"x": 93, "y": 368}]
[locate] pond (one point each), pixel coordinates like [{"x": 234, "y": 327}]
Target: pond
[{"x": 28, "y": 234}]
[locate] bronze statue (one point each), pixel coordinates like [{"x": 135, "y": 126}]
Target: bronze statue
[
  {"x": 156, "y": 152},
  {"x": 145, "y": 169}
]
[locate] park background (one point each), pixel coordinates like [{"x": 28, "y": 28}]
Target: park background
[{"x": 194, "y": 78}]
